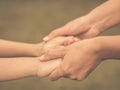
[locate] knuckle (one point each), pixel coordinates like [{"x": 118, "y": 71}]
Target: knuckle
[
  {"x": 65, "y": 71},
  {"x": 73, "y": 77},
  {"x": 52, "y": 78},
  {"x": 80, "y": 78}
]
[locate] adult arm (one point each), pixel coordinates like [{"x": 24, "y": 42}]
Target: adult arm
[{"x": 92, "y": 24}]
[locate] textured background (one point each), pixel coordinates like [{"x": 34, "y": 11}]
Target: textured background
[{"x": 30, "y": 20}]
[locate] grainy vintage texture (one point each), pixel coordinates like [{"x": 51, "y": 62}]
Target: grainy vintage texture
[{"x": 30, "y": 20}]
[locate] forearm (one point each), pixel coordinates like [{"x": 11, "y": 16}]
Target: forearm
[
  {"x": 14, "y": 68},
  {"x": 109, "y": 47},
  {"x": 105, "y": 15},
  {"x": 10, "y": 48}
]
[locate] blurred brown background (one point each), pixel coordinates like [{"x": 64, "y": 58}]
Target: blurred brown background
[{"x": 30, "y": 20}]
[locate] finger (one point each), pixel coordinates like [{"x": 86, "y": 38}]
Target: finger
[
  {"x": 58, "y": 32},
  {"x": 71, "y": 40},
  {"x": 56, "y": 74},
  {"x": 53, "y": 54},
  {"x": 61, "y": 40}
]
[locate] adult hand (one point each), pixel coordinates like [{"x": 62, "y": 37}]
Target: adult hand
[
  {"x": 80, "y": 27},
  {"x": 49, "y": 66},
  {"x": 80, "y": 59},
  {"x": 92, "y": 24}
]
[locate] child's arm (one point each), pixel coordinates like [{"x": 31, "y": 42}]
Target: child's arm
[
  {"x": 15, "y": 68},
  {"x": 10, "y": 48}
]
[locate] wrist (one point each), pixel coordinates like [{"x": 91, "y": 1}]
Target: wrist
[
  {"x": 98, "y": 24},
  {"x": 98, "y": 44},
  {"x": 106, "y": 49},
  {"x": 104, "y": 20},
  {"x": 35, "y": 66},
  {"x": 27, "y": 66},
  {"x": 95, "y": 47},
  {"x": 37, "y": 49}
]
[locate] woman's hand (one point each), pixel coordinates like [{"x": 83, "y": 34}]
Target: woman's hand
[
  {"x": 92, "y": 24},
  {"x": 79, "y": 60},
  {"x": 80, "y": 27}
]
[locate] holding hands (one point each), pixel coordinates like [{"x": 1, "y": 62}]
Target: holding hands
[
  {"x": 79, "y": 59},
  {"x": 24, "y": 60},
  {"x": 82, "y": 57},
  {"x": 71, "y": 51}
]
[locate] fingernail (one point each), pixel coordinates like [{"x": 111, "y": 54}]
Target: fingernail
[
  {"x": 45, "y": 38},
  {"x": 42, "y": 57}
]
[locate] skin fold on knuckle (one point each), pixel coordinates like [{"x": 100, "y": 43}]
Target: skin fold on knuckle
[
  {"x": 66, "y": 72},
  {"x": 73, "y": 77},
  {"x": 53, "y": 76},
  {"x": 81, "y": 77}
]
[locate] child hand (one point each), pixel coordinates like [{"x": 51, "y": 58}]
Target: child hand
[
  {"x": 45, "y": 68},
  {"x": 58, "y": 43}
]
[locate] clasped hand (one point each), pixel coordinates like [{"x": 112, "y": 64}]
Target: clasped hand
[{"x": 79, "y": 57}]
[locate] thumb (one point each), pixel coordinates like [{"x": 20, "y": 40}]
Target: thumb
[
  {"x": 58, "y": 32},
  {"x": 56, "y": 74}
]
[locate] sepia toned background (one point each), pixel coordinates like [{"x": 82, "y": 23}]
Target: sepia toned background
[{"x": 30, "y": 20}]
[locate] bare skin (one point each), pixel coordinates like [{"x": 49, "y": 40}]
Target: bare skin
[
  {"x": 17, "y": 49},
  {"x": 84, "y": 27},
  {"x": 16, "y": 67},
  {"x": 81, "y": 58},
  {"x": 95, "y": 22}
]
